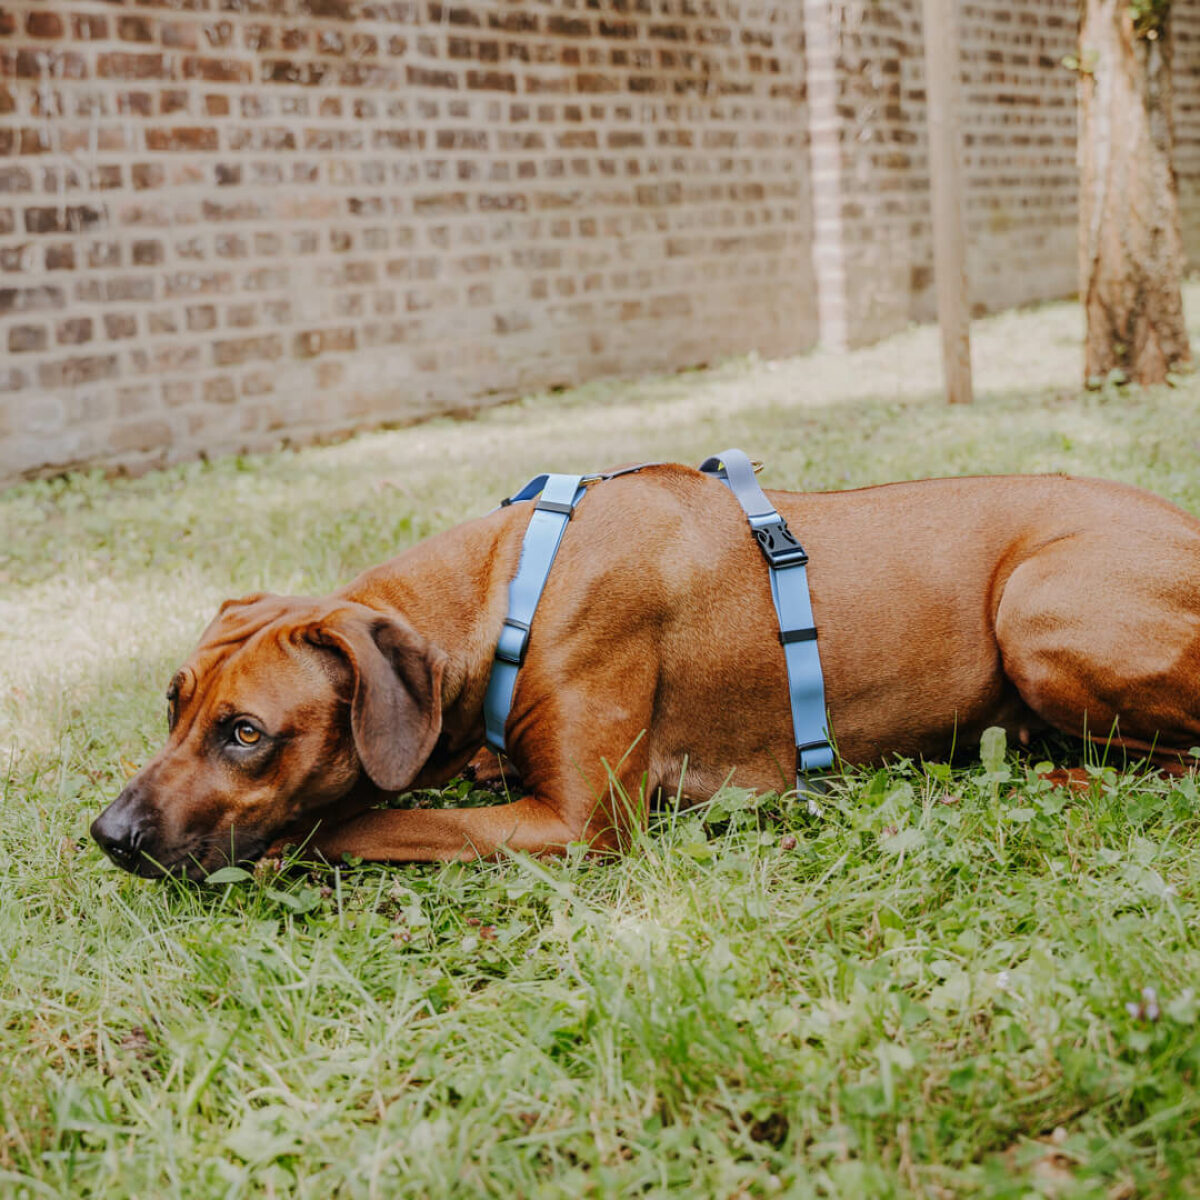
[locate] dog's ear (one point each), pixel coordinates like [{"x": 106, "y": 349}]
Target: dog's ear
[{"x": 396, "y": 710}]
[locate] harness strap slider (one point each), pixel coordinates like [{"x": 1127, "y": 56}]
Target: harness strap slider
[
  {"x": 553, "y": 506},
  {"x": 513, "y": 642},
  {"x": 788, "y": 637},
  {"x": 804, "y": 748}
]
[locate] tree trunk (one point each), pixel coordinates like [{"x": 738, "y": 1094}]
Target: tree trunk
[{"x": 1131, "y": 249}]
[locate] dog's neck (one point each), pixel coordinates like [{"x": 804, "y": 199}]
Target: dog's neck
[{"x": 458, "y": 610}]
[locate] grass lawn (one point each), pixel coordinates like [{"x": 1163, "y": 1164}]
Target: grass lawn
[{"x": 937, "y": 989}]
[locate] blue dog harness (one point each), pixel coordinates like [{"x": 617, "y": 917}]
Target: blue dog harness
[{"x": 557, "y": 497}]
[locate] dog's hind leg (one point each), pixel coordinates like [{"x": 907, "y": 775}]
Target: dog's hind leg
[{"x": 1104, "y": 644}]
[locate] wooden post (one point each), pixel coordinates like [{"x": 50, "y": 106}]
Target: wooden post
[{"x": 945, "y": 173}]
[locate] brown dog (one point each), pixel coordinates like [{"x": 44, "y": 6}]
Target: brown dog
[{"x": 943, "y": 607}]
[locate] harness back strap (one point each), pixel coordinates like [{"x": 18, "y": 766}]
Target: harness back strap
[
  {"x": 789, "y": 589},
  {"x": 552, "y": 512}
]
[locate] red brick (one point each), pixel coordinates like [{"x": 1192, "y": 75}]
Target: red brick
[
  {"x": 107, "y": 176},
  {"x": 129, "y": 287},
  {"x": 135, "y": 29},
  {"x": 568, "y": 26},
  {"x": 147, "y": 253},
  {"x": 24, "y": 338},
  {"x": 72, "y": 372},
  {"x": 13, "y": 379},
  {"x": 283, "y": 70},
  {"x": 181, "y": 137},
  {"x": 491, "y": 81},
  {"x": 177, "y": 392},
  {"x": 201, "y": 317},
  {"x": 73, "y": 331},
  {"x": 119, "y": 64},
  {"x": 44, "y": 25},
  {"x": 219, "y": 390},
  {"x": 60, "y": 258},
  {"x": 454, "y": 14},
  {"x": 315, "y": 342},
  {"x": 140, "y": 436},
  {"x": 240, "y": 350},
  {"x": 427, "y": 77},
  {"x": 15, "y": 179},
  {"x": 104, "y": 254},
  {"x": 69, "y": 218},
  {"x": 241, "y": 316},
  {"x": 87, "y": 27},
  {"x": 49, "y": 64},
  {"x": 147, "y": 175},
  {"x": 217, "y": 70},
  {"x": 119, "y": 325},
  {"x": 258, "y": 37},
  {"x": 179, "y": 35},
  {"x": 218, "y": 33}
]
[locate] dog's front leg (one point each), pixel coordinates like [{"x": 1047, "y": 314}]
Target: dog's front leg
[{"x": 441, "y": 835}]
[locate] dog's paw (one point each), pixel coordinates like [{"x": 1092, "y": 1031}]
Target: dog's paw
[{"x": 488, "y": 771}]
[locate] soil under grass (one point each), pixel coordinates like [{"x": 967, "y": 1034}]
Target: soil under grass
[{"x": 955, "y": 982}]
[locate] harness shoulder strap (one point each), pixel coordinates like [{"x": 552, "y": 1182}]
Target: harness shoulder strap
[
  {"x": 559, "y": 496},
  {"x": 789, "y": 590}
]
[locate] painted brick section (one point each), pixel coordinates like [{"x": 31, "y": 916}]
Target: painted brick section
[
  {"x": 222, "y": 224},
  {"x": 1019, "y": 123}
]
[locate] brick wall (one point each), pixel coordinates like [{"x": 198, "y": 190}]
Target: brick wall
[{"x": 227, "y": 221}]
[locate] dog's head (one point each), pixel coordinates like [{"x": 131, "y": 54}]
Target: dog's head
[{"x": 285, "y": 708}]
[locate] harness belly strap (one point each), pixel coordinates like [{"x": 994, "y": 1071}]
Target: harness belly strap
[
  {"x": 789, "y": 590},
  {"x": 559, "y": 496}
]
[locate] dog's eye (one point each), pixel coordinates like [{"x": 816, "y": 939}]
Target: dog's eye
[{"x": 246, "y": 734}]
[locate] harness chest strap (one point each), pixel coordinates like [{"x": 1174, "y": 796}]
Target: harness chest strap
[
  {"x": 786, "y": 563},
  {"x": 557, "y": 496},
  {"x": 552, "y": 512},
  {"x": 786, "y": 559}
]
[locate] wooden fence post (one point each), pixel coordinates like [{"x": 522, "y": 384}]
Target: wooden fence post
[{"x": 945, "y": 173}]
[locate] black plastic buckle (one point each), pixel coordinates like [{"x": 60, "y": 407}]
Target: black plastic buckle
[
  {"x": 503, "y": 653},
  {"x": 554, "y": 506},
  {"x": 779, "y": 547}
]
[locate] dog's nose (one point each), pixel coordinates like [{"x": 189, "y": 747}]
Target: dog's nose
[{"x": 120, "y": 831}]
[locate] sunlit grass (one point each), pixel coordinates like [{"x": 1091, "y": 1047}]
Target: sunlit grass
[{"x": 934, "y": 989}]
